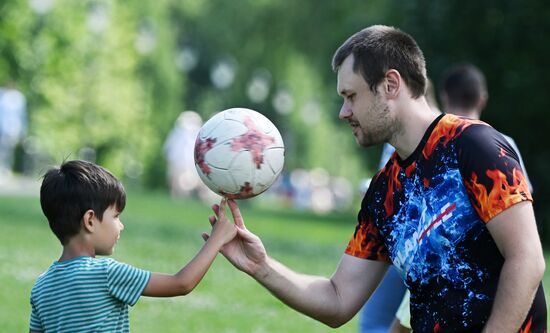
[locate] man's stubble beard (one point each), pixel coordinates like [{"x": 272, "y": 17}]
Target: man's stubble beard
[{"x": 383, "y": 126}]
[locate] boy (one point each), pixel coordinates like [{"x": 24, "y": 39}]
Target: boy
[{"x": 82, "y": 293}]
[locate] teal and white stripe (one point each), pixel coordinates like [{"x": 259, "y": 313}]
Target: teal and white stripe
[{"x": 86, "y": 294}]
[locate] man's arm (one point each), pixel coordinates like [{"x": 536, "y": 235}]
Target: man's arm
[
  {"x": 515, "y": 233},
  {"x": 333, "y": 301}
]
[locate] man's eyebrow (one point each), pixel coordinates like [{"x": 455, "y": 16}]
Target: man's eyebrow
[{"x": 345, "y": 92}]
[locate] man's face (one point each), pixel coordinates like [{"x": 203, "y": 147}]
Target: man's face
[{"x": 367, "y": 113}]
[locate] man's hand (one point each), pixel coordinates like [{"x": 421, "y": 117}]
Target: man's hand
[
  {"x": 246, "y": 251},
  {"x": 333, "y": 301}
]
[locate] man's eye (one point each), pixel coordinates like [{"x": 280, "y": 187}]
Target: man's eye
[{"x": 351, "y": 97}]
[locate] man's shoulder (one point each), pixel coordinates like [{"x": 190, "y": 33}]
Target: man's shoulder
[
  {"x": 454, "y": 125},
  {"x": 466, "y": 131}
]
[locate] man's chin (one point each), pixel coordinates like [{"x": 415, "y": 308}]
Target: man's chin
[{"x": 363, "y": 143}]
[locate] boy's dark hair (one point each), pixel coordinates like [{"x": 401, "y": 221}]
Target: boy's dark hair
[
  {"x": 464, "y": 85},
  {"x": 76, "y": 186},
  {"x": 379, "y": 48}
]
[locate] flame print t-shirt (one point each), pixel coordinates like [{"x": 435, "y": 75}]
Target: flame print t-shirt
[{"x": 427, "y": 215}]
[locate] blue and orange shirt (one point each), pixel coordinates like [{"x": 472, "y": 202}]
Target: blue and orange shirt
[{"x": 427, "y": 214}]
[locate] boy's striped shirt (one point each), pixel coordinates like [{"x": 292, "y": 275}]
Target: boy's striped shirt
[{"x": 86, "y": 294}]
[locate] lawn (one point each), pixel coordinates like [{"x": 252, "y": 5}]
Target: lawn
[{"x": 162, "y": 234}]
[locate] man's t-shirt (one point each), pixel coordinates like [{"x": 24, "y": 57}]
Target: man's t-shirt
[
  {"x": 86, "y": 294},
  {"x": 427, "y": 215}
]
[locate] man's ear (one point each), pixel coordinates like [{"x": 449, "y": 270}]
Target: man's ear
[
  {"x": 392, "y": 84},
  {"x": 89, "y": 220},
  {"x": 482, "y": 102},
  {"x": 444, "y": 98}
]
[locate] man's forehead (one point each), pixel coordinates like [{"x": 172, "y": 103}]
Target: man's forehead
[
  {"x": 347, "y": 78},
  {"x": 346, "y": 67}
]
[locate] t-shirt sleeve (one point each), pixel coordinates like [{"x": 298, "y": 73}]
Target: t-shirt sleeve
[
  {"x": 35, "y": 323},
  {"x": 366, "y": 241},
  {"x": 520, "y": 159},
  {"x": 126, "y": 282},
  {"x": 491, "y": 171}
]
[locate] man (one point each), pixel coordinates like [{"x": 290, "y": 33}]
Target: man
[
  {"x": 463, "y": 92},
  {"x": 467, "y": 248}
]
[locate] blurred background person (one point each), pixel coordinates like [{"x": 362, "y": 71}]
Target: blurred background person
[
  {"x": 13, "y": 126},
  {"x": 179, "y": 151},
  {"x": 463, "y": 92}
]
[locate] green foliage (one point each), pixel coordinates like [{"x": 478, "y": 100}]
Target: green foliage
[
  {"x": 118, "y": 89},
  {"x": 293, "y": 42},
  {"x": 88, "y": 86}
]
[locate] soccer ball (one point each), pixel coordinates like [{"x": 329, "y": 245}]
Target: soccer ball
[{"x": 239, "y": 153}]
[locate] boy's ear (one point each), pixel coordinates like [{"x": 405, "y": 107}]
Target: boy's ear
[{"x": 88, "y": 220}]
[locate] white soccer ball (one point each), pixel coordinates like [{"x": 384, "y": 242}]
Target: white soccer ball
[{"x": 239, "y": 153}]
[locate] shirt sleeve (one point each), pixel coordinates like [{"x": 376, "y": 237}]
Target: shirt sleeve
[
  {"x": 491, "y": 171},
  {"x": 516, "y": 149},
  {"x": 35, "y": 323},
  {"x": 126, "y": 282},
  {"x": 366, "y": 241}
]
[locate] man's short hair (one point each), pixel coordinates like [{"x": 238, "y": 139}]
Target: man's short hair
[
  {"x": 379, "y": 48},
  {"x": 464, "y": 85},
  {"x": 76, "y": 186}
]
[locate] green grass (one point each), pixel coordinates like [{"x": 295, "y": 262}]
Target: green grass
[{"x": 162, "y": 234}]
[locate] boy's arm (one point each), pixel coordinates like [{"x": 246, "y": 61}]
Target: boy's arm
[{"x": 184, "y": 281}]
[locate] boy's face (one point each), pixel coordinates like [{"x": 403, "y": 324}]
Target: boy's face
[{"x": 108, "y": 231}]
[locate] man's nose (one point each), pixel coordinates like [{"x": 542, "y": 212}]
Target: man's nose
[{"x": 345, "y": 112}]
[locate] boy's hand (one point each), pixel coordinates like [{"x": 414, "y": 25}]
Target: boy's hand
[
  {"x": 222, "y": 229},
  {"x": 245, "y": 251}
]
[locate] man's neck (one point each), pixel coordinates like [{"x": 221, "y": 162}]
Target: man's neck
[
  {"x": 466, "y": 113},
  {"x": 413, "y": 122}
]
